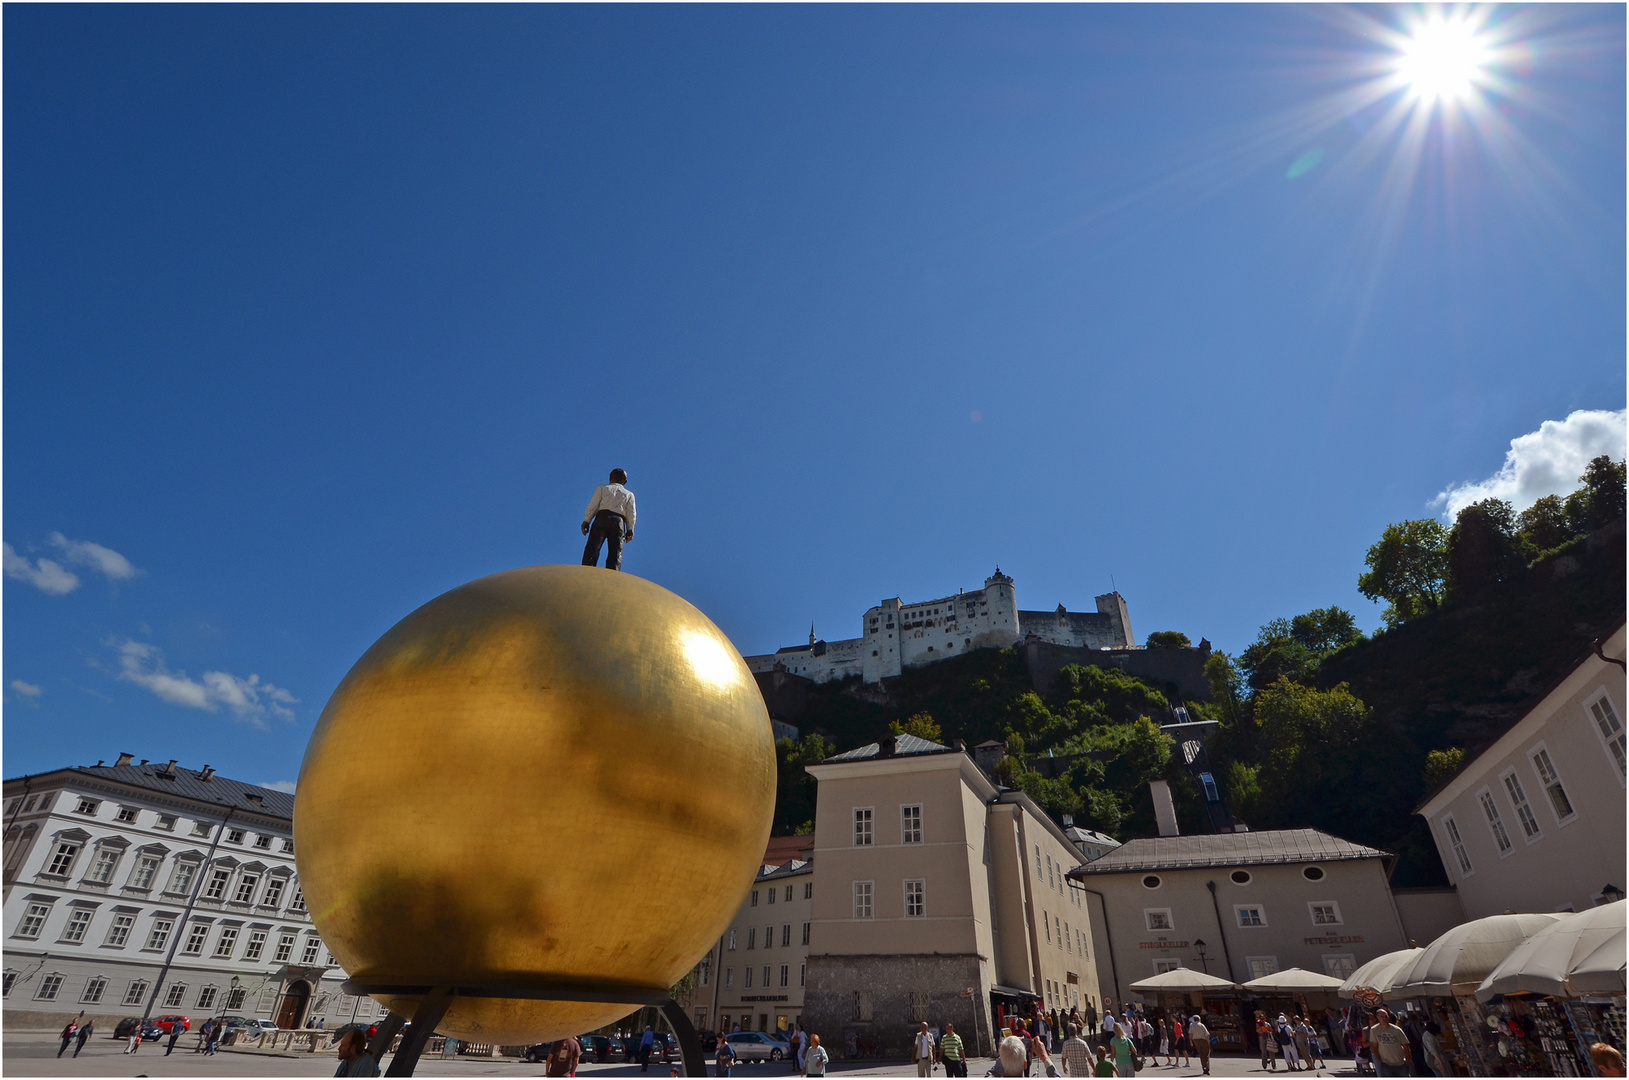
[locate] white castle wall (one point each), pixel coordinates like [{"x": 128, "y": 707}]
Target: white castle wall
[{"x": 897, "y": 636}]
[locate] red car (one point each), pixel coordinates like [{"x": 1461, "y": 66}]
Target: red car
[{"x": 166, "y": 1023}]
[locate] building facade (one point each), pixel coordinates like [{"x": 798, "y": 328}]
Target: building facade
[
  {"x": 755, "y": 975},
  {"x": 140, "y": 889},
  {"x": 1240, "y": 905},
  {"x": 1535, "y": 821},
  {"x": 941, "y": 899},
  {"x": 896, "y": 635}
]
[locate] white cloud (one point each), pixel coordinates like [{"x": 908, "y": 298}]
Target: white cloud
[
  {"x": 44, "y": 575},
  {"x": 105, "y": 560},
  {"x": 1548, "y": 461},
  {"x": 280, "y": 785},
  {"x": 26, "y": 689},
  {"x": 248, "y": 699}
]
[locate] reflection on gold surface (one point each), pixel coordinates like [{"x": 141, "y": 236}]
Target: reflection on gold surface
[{"x": 552, "y": 773}]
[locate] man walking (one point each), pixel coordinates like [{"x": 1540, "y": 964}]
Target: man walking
[
  {"x": 609, "y": 520},
  {"x": 68, "y": 1034},
  {"x": 924, "y": 1051},
  {"x": 1199, "y": 1039},
  {"x": 1077, "y": 1056},
  {"x": 647, "y": 1041},
  {"x": 1389, "y": 1043},
  {"x": 84, "y": 1033},
  {"x": 951, "y": 1050},
  {"x": 175, "y": 1033}
]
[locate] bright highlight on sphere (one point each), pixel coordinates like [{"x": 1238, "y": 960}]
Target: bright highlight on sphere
[{"x": 1443, "y": 60}]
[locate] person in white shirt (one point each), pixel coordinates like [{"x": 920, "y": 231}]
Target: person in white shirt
[
  {"x": 924, "y": 1052},
  {"x": 609, "y": 520}
]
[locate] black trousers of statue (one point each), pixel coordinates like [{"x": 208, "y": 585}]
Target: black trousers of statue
[{"x": 607, "y": 529}]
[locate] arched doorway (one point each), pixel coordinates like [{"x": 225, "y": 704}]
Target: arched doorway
[{"x": 292, "y": 1013}]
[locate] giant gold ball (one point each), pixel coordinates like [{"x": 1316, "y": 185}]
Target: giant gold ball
[{"x": 555, "y": 774}]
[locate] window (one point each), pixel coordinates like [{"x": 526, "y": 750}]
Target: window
[
  {"x": 915, "y": 899},
  {"x": 234, "y": 836},
  {"x": 165, "y": 822},
  {"x": 1261, "y": 966},
  {"x": 1610, "y": 729},
  {"x": 862, "y": 1005},
  {"x": 159, "y": 935},
  {"x": 746, "y": 978},
  {"x": 288, "y": 846},
  {"x": 1162, "y": 966},
  {"x": 1454, "y": 841},
  {"x": 298, "y": 903},
  {"x": 769, "y": 937},
  {"x": 78, "y": 923},
  {"x": 9, "y": 982},
  {"x": 263, "y": 842},
  {"x": 202, "y": 828},
  {"x": 119, "y": 932},
  {"x": 789, "y": 894},
  {"x": 206, "y": 997},
  {"x": 1324, "y": 912},
  {"x": 136, "y": 991},
  {"x": 1552, "y": 786},
  {"x": 862, "y": 899},
  {"x": 246, "y": 889},
  {"x": 910, "y": 824},
  {"x": 308, "y": 955},
  {"x": 1158, "y": 918},
  {"x": 862, "y": 827},
  {"x": 1496, "y": 824},
  {"x": 1152, "y": 881},
  {"x": 803, "y": 971},
  {"x": 142, "y": 876},
  {"x": 226, "y": 943},
  {"x": 731, "y": 939},
  {"x": 101, "y": 871},
  {"x": 752, "y": 937},
  {"x": 1313, "y": 873},
  {"x": 1251, "y": 915},
  {"x": 729, "y": 978},
  {"x": 786, "y": 935},
  {"x": 218, "y": 880},
  {"x": 234, "y": 998},
  {"x": 754, "y": 902},
  {"x": 786, "y": 974},
  {"x": 1038, "y": 870},
  {"x": 87, "y": 806},
  {"x": 274, "y": 892},
  {"x": 126, "y": 813},
  {"x": 1524, "y": 812},
  {"x": 766, "y": 977},
  {"x": 1049, "y": 878},
  {"x": 805, "y": 933},
  {"x": 1240, "y": 877},
  {"x": 808, "y": 890},
  {"x": 173, "y": 996},
  {"x": 49, "y": 986},
  {"x": 196, "y": 934},
  {"x": 1339, "y": 965},
  {"x": 181, "y": 878},
  {"x": 94, "y": 988},
  {"x": 62, "y": 859},
  {"x": 33, "y": 920},
  {"x": 285, "y": 949},
  {"x": 1046, "y": 924}
]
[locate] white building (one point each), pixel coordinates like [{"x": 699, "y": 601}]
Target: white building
[
  {"x": 140, "y": 889},
  {"x": 1535, "y": 821},
  {"x": 896, "y": 636}
]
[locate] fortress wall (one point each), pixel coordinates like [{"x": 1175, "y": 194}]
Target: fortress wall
[{"x": 1181, "y": 668}]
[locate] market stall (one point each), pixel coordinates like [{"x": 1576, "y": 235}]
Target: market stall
[
  {"x": 1298, "y": 992},
  {"x": 1192, "y": 992}
]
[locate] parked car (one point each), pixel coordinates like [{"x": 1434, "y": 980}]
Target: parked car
[
  {"x": 166, "y": 1022},
  {"x": 758, "y": 1046},
  {"x": 250, "y": 1028},
  {"x": 600, "y": 1048},
  {"x": 125, "y": 1027}
]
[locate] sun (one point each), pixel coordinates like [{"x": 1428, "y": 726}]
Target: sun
[{"x": 1444, "y": 59}]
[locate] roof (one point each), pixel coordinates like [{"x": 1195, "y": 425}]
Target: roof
[
  {"x": 902, "y": 746},
  {"x": 189, "y": 784},
  {"x": 781, "y": 848},
  {"x": 792, "y": 869},
  {"x": 1228, "y": 849}
]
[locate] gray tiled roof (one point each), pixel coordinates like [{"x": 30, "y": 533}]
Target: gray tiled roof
[
  {"x": 188, "y": 785},
  {"x": 904, "y": 745},
  {"x": 1228, "y": 849},
  {"x": 791, "y": 869}
]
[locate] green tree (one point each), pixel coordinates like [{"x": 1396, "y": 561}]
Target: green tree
[
  {"x": 1407, "y": 567},
  {"x": 1120, "y": 697},
  {"x": 1601, "y": 498},
  {"x": 1276, "y": 654},
  {"x": 1442, "y": 764},
  {"x": 1482, "y": 549},
  {"x": 1325, "y": 630},
  {"x": 921, "y": 725},
  {"x": 794, "y": 787},
  {"x": 1310, "y": 743},
  {"x": 1166, "y": 639},
  {"x": 1543, "y": 525}
]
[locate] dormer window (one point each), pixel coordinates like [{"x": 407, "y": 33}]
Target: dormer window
[
  {"x": 87, "y": 807},
  {"x": 234, "y": 836}
]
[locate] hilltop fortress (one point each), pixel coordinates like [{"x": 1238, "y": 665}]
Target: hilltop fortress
[{"x": 896, "y": 636}]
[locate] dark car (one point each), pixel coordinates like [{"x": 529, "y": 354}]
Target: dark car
[
  {"x": 665, "y": 1048},
  {"x": 125, "y": 1027},
  {"x": 600, "y": 1048}
]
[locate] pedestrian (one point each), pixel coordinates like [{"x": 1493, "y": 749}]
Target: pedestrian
[
  {"x": 1077, "y": 1056},
  {"x": 1433, "y": 1049},
  {"x": 1304, "y": 1038},
  {"x": 1608, "y": 1061},
  {"x": 215, "y": 1034},
  {"x": 563, "y": 1057},
  {"x": 723, "y": 1057},
  {"x": 815, "y": 1058},
  {"x": 647, "y": 1043},
  {"x": 922, "y": 1051},
  {"x": 1041, "y": 1058},
  {"x": 135, "y": 1039},
  {"x": 84, "y": 1033},
  {"x": 1125, "y": 1052},
  {"x": 952, "y": 1053},
  {"x": 1164, "y": 1031},
  {"x": 354, "y": 1059},
  {"x": 68, "y": 1034},
  {"x": 1388, "y": 1043},
  {"x": 175, "y": 1033},
  {"x": 609, "y": 521},
  {"x": 1179, "y": 1039},
  {"x": 1264, "y": 1036},
  {"x": 1199, "y": 1039},
  {"x": 1011, "y": 1056},
  {"x": 1105, "y": 1062},
  {"x": 1284, "y": 1036}
]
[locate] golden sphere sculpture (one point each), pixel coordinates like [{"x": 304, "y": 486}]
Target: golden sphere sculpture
[{"x": 555, "y": 774}]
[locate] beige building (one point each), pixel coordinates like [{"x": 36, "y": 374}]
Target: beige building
[
  {"x": 1240, "y": 905},
  {"x": 1535, "y": 821},
  {"x": 753, "y": 979},
  {"x": 941, "y": 899}
]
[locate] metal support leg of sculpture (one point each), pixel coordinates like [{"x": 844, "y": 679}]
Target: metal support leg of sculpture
[
  {"x": 695, "y": 1059},
  {"x": 432, "y": 1007},
  {"x": 382, "y": 1038}
]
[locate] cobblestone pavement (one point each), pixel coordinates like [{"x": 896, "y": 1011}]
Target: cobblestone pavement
[{"x": 34, "y": 1054}]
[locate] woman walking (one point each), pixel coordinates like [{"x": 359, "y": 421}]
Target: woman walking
[
  {"x": 1165, "y": 1043},
  {"x": 1179, "y": 1035}
]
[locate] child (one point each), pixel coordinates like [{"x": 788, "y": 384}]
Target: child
[{"x": 1105, "y": 1062}]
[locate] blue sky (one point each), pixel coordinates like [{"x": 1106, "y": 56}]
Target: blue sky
[{"x": 312, "y": 313}]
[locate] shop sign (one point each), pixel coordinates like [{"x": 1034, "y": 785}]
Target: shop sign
[
  {"x": 1162, "y": 943},
  {"x": 1333, "y": 939}
]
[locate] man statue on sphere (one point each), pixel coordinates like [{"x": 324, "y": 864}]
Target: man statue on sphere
[{"x": 609, "y": 520}]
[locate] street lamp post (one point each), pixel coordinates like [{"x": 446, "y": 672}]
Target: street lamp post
[{"x": 1199, "y": 947}]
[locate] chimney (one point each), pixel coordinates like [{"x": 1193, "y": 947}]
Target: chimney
[
  {"x": 168, "y": 771},
  {"x": 885, "y": 747},
  {"x": 1164, "y": 808},
  {"x": 209, "y": 770},
  {"x": 124, "y": 759}
]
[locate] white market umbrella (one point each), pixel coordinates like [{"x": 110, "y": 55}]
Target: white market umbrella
[
  {"x": 1294, "y": 981},
  {"x": 1460, "y": 959},
  {"x": 1601, "y": 972},
  {"x": 1183, "y": 981},
  {"x": 1544, "y": 963},
  {"x": 1378, "y": 974}
]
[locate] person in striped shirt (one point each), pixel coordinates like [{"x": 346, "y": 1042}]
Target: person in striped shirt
[{"x": 950, "y": 1052}]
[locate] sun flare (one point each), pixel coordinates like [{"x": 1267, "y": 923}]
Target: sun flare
[{"x": 1444, "y": 59}]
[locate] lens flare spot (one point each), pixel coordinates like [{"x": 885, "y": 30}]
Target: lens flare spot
[
  {"x": 1304, "y": 164},
  {"x": 710, "y": 660}
]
